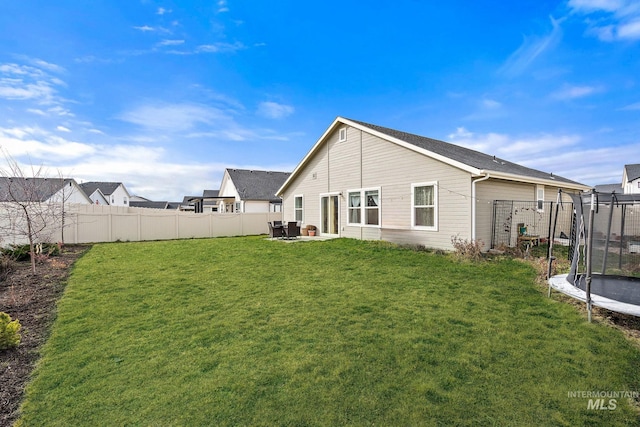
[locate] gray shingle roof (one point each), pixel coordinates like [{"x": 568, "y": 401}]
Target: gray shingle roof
[
  {"x": 107, "y": 188},
  {"x": 609, "y": 188},
  {"x": 257, "y": 185},
  {"x": 633, "y": 172},
  {"x": 30, "y": 189},
  {"x": 149, "y": 204},
  {"x": 464, "y": 155},
  {"x": 210, "y": 193}
]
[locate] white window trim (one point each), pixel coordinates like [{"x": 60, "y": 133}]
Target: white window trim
[
  {"x": 301, "y": 208},
  {"x": 363, "y": 210},
  {"x": 538, "y": 199},
  {"x": 435, "y": 207},
  {"x": 342, "y": 134}
]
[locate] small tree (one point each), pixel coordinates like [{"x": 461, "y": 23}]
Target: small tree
[{"x": 32, "y": 206}]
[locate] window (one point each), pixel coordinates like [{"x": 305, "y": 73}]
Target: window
[
  {"x": 364, "y": 207},
  {"x": 297, "y": 207},
  {"x": 372, "y": 209},
  {"x": 425, "y": 209},
  {"x": 354, "y": 207},
  {"x": 540, "y": 197},
  {"x": 238, "y": 207},
  {"x": 342, "y": 135}
]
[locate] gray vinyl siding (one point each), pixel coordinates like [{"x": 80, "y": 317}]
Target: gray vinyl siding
[
  {"x": 492, "y": 189},
  {"x": 366, "y": 161}
]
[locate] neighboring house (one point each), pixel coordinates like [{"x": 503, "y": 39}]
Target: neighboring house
[
  {"x": 630, "y": 182},
  {"x": 107, "y": 193},
  {"x": 149, "y": 204},
  {"x": 243, "y": 190},
  {"x": 42, "y": 190},
  {"x": 369, "y": 182}
]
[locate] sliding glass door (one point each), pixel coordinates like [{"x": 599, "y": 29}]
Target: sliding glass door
[{"x": 329, "y": 214}]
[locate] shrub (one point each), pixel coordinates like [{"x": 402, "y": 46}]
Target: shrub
[
  {"x": 7, "y": 265},
  {"x": 467, "y": 249},
  {"x": 9, "y": 331},
  {"x": 21, "y": 252}
]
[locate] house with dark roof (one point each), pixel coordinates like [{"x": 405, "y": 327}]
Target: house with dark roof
[
  {"x": 106, "y": 193},
  {"x": 14, "y": 189},
  {"x": 244, "y": 190},
  {"x": 630, "y": 182},
  {"x": 365, "y": 181}
]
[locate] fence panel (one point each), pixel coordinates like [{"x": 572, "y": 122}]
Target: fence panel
[
  {"x": 511, "y": 217},
  {"x": 94, "y": 224}
]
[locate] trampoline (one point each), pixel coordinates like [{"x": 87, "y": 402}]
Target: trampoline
[{"x": 604, "y": 248}]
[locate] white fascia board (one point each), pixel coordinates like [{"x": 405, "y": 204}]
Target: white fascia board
[
  {"x": 412, "y": 147},
  {"x": 311, "y": 152},
  {"x": 520, "y": 178}
]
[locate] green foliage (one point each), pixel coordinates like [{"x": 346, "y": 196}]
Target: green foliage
[
  {"x": 9, "y": 332},
  {"x": 247, "y": 331},
  {"x": 22, "y": 252}
]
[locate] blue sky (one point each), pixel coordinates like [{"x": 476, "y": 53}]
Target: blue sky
[{"x": 164, "y": 95}]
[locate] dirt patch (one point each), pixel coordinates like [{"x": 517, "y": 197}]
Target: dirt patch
[{"x": 31, "y": 298}]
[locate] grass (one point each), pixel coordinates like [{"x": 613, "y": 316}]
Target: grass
[{"x": 245, "y": 331}]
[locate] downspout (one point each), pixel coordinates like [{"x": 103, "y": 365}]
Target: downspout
[{"x": 473, "y": 204}]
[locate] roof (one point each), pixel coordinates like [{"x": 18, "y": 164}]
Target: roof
[
  {"x": 30, "y": 189},
  {"x": 149, "y": 204},
  {"x": 210, "y": 193},
  {"x": 477, "y": 163},
  {"x": 609, "y": 188},
  {"x": 107, "y": 188},
  {"x": 632, "y": 172},
  {"x": 257, "y": 185}
]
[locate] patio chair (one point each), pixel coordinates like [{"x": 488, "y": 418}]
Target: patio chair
[
  {"x": 275, "y": 232},
  {"x": 292, "y": 231}
]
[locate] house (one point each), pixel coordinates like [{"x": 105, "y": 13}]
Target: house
[
  {"x": 107, "y": 193},
  {"x": 630, "y": 182},
  {"x": 365, "y": 181},
  {"x": 243, "y": 190},
  {"x": 41, "y": 190}
]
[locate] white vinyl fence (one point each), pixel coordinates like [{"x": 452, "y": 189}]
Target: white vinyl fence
[{"x": 93, "y": 224}]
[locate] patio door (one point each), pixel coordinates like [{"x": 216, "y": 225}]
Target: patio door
[{"x": 329, "y": 210}]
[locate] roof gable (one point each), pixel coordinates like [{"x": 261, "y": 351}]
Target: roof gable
[
  {"x": 107, "y": 188},
  {"x": 257, "y": 185},
  {"x": 632, "y": 172},
  {"x": 476, "y": 163},
  {"x": 30, "y": 189}
]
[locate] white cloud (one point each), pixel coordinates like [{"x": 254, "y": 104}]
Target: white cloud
[
  {"x": 629, "y": 30},
  {"x": 173, "y": 117},
  {"x": 145, "y": 28},
  {"x": 162, "y": 11},
  {"x": 63, "y": 129},
  {"x": 222, "y": 6},
  {"x": 572, "y": 92},
  {"x": 274, "y": 110},
  {"x": 41, "y": 145},
  {"x": 614, "y": 19},
  {"x": 634, "y": 106},
  {"x": 530, "y": 49},
  {"x": 27, "y": 83},
  {"x": 220, "y": 47},
  {"x": 563, "y": 154},
  {"x": 170, "y": 42}
]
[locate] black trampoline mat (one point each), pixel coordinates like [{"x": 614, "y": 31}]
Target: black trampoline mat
[{"x": 619, "y": 288}]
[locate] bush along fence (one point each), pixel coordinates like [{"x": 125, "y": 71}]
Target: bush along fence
[{"x": 529, "y": 221}]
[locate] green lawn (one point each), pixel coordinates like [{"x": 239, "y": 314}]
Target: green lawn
[{"x": 246, "y": 331}]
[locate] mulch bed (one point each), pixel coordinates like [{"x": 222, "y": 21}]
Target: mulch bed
[{"x": 31, "y": 298}]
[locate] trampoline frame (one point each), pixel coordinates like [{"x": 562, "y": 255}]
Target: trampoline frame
[{"x": 578, "y": 284}]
